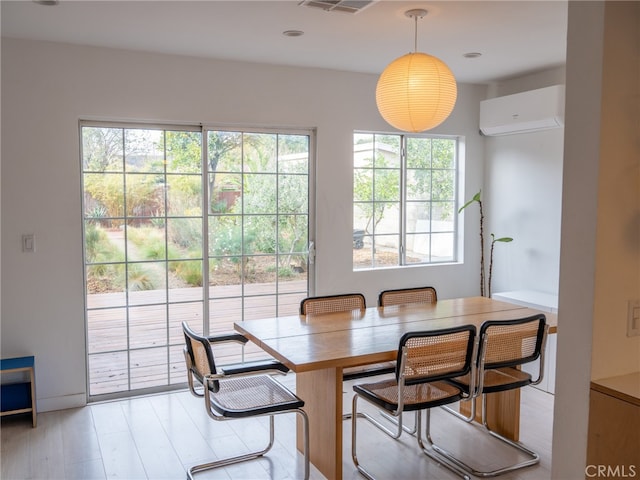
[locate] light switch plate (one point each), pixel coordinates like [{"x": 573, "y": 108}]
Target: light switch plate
[
  {"x": 633, "y": 318},
  {"x": 28, "y": 243}
]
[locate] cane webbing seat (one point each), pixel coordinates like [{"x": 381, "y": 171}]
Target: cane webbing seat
[
  {"x": 406, "y": 296},
  {"x": 504, "y": 345},
  {"x": 332, "y": 304},
  {"x": 426, "y": 360},
  {"x": 228, "y": 397},
  {"x": 345, "y": 303},
  {"x": 254, "y": 395}
]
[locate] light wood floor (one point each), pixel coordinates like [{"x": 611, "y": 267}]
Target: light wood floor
[{"x": 159, "y": 436}]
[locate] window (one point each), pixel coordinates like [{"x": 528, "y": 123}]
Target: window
[{"x": 404, "y": 200}]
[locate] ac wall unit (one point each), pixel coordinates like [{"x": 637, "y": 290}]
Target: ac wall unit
[{"x": 523, "y": 112}]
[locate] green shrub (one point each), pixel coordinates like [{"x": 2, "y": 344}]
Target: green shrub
[
  {"x": 190, "y": 272},
  {"x": 141, "y": 278}
]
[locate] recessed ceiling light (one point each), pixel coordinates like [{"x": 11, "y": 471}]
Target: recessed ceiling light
[
  {"x": 293, "y": 33},
  {"x": 48, "y": 3},
  {"x": 472, "y": 55}
]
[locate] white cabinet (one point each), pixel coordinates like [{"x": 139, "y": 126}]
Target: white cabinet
[{"x": 545, "y": 302}]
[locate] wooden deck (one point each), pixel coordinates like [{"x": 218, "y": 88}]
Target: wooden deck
[{"x": 145, "y": 350}]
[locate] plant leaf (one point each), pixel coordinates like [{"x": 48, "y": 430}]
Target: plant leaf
[
  {"x": 503, "y": 239},
  {"x": 476, "y": 198}
]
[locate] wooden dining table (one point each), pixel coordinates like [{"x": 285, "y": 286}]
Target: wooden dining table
[{"x": 318, "y": 347}]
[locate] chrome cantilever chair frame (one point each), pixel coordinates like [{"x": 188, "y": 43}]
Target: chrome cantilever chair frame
[
  {"x": 425, "y": 361},
  {"x": 505, "y": 369},
  {"x": 228, "y": 397}
]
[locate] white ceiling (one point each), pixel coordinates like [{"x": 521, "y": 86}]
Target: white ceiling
[{"x": 514, "y": 37}]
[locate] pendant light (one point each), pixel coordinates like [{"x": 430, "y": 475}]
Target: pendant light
[{"x": 416, "y": 92}]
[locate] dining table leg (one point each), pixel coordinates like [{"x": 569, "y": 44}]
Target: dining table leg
[
  {"x": 503, "y": 412},
  {"x": 321, "y": 391}
]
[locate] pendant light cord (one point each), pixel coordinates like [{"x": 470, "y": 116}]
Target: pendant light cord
[
  {"x": 415, "y": 40},
  {"x": 416, "y": 13}
]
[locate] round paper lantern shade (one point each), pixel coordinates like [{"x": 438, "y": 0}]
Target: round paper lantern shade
[{"x": 416, "y": 92}]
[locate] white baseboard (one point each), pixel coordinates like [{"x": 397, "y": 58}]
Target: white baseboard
[{"x": 61, "y": 403}]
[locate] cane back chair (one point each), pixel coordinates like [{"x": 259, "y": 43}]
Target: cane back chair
[
  {"x": 504, "y": 346},
  {"x": 268, "y": 365},
  {"x": 406, "y": 296},
  {"x": 228, "y": 397},
  {"x": 332, "y": 303},
  {"x": 426, "y": 360}
]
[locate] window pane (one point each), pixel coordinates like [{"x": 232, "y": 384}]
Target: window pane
[
  {"x": 184, "y": 195},
  {"x": 363, "y": 150},
  {"x": 184, "y": 152},
  {"x": 147, "y": 282},
  {"x": 260, "y": 154},
  {"x": 102, "y": 149},
  {"x": 386, "y": 218},
  {"x": 149, "y": 367},
  {"x": 185, "y": 275},
  {"x": 363, "y": 254},
  {"x": 292, "y": 233},
  {"x": 418, "y": 184},
  {"x": 225, "y": 271},
  {"x": 145, "y": 195},
  {"x": 224, "y": 151},
  {"x": 387, "y": 151},
  {"x": 442, "y": 247},
  {"x": 260, "y": 275},
  {"x": 419, "y": 152},
  {"x": 386, "y": 251},
  {"x": 144, "y": 150},
  {"x": 386, "y": 185},
  {"x": 225, "y": 235},
  {"x": 226, "y": 192},
  {"x": 185, "y": 237},
  {"x": 293, "y": 154},
  {"x": 103, "y": 195},
  {"x": 259, "y": 193},
  {"x": 362, "y": 212},
  {"x": 259, "y": 233},
  {"x": 418, "y": 217},
  {"x": 444, "y": 153},
  {"x": 293, "y": 193},
  {"x": 443, "y": 217},
  {"x": 418, "y": 248},
  {"x": 147, "y": 326},
  {"x": 110, "y": 328},
  {"x": 363, "y": 185}
]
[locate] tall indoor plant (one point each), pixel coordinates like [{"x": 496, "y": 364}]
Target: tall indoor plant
[{"x": 477, "y": 198}]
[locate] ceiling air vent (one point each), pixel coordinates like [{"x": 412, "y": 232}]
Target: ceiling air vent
[{"x": 347, "y": 6}]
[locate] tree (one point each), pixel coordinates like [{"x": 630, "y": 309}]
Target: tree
[{"x": 376, "y": 189}]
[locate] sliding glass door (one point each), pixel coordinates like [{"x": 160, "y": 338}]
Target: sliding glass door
[{"x": 204, "y": 226}]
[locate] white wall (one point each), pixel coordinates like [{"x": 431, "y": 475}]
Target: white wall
[
  {"x": 47, "y": 88},
  {"x": 523, "y": 195}
]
